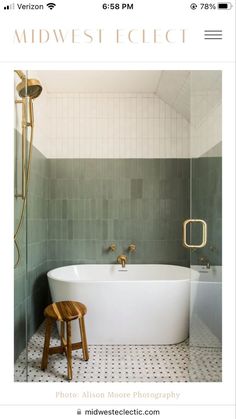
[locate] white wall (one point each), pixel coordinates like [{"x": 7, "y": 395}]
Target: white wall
[
  {"x": 131, "y": 125},
  {"x": 109, "y": 126},
  {"x": 206, "y": 119}
]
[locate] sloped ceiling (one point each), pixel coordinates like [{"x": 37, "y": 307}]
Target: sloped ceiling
[{"x": 173, "y": 87}]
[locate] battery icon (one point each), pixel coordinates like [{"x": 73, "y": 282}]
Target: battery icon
[{"x": 225, "y": 6}]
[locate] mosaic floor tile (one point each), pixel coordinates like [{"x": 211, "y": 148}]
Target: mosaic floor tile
[{"x": 122, "y": 363}]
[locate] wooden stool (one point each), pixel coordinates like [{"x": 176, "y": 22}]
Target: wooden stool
[{"x": 65, "y": 312}]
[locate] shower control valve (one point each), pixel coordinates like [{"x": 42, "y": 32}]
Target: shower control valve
[
  {"x": 132, "y": 248},
  {"x": 112, "y": 247},
  {"x": 204, "y": 261}
]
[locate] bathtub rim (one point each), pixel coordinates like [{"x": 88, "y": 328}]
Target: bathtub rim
[{"x": 193, "y": 274}]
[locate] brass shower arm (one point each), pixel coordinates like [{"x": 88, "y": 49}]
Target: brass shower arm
[{"x": 20, "y": 74}]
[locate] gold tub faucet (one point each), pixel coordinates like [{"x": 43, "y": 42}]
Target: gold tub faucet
[{"x": 122, "y": 259}]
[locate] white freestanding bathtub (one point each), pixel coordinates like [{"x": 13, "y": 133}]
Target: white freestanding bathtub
[{"x": 138, "y": 304}]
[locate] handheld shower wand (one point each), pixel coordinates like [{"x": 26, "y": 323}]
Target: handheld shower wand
[{"x": 31, "y": 89}]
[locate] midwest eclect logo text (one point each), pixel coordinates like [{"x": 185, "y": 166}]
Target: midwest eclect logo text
[{"x": 99, "y": 36}]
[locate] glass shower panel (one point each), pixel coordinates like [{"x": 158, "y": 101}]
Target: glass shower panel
[
  {"x": 206, "y": 203},
  {"x": 20, "y": 230}
]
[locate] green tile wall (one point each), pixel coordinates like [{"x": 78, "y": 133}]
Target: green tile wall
[
  {"x": 207, "y": 204},
  {"x": 30, "y": 282},
  {"x": 94, "y": 202},
  {"x": 37, "y": 236},
  {"x": 20, "y": 273}
]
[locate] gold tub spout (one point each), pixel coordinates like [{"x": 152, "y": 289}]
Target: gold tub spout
[{"x": 122, "y": 259}]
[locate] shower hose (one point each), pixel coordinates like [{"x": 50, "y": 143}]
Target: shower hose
[{"x": 24, "y": 199}]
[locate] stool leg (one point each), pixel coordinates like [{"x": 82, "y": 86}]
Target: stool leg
[
  {"x": 83, "y": 339},
  {"x": 69, "y": 350},
  {"x": 63, "y": 336},
  {"x": 46, "y": 343}
]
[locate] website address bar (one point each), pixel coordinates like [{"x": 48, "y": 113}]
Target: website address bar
[{"x": 120, "y": 412}]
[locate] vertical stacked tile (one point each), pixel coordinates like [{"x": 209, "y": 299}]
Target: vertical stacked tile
[
  {"x": 93, "y": 202},
  {"x": 30, "y": 285},
  {"x": 37, "y": 236},
  {"x": 20, "y": 273}
]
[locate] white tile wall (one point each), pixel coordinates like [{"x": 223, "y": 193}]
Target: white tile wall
[
  {"x": 206, "y": 112},
  {"x": 109, "y": 126},
  {"x": 207, "y": 132}
]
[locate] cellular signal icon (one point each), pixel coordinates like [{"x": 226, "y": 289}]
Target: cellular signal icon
[
  {"x": 9, "y": 7},
  {"x": 51, "y": 5}
]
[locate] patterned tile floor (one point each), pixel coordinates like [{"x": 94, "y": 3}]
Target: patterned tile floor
[{"x": 122, "y": 363}]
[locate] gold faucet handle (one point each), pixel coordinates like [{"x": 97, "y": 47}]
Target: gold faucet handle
[
  {"x": 132, "y": 248},
  {"x": 112, "y": 247}
]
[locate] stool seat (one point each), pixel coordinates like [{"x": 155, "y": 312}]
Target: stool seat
[{"x": 65, "y": 310}]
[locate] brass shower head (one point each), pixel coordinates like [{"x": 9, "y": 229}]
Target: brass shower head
[
  {"x": 31, "y": 88},
  {"x": 28, "y": 87}
]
